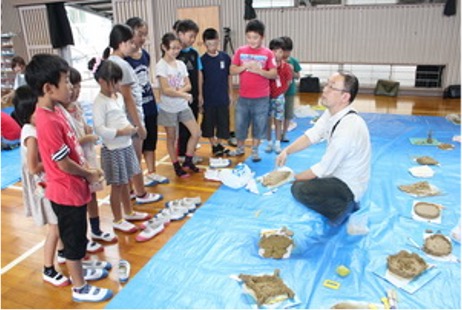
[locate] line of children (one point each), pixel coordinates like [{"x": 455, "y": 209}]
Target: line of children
[
  {"x": 278, "y": 87},
  {"x": 217, "y": 93},
  {"x": 121, "y": 43},
  {"x": 140, "y": 61},
  {"x": 173, "y": 106},
  {"x": 255, "y": 66},
  {"x": 67, "y": 175}
]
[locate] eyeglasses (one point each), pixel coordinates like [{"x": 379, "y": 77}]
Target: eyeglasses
[{"x": 335, "y": 88}]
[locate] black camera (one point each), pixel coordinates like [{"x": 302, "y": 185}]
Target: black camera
[{"x": 227, "y": 30}]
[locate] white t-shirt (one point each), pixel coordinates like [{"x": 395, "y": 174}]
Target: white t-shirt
[
  {"x": 175, "y": 77},
  {"x": 129, "y": 78},
  {"x": 108, "y": 117}
]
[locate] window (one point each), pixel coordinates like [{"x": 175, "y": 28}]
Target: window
[
  {"x": 366, "y": 74},
  {"x": 260, "y": 4}
]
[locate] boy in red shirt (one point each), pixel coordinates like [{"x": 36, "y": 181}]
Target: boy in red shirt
[
  {"x": 278, "y": 87},
  {"x": 255, "y": 66},
  {"x": 68, "y": 176}
]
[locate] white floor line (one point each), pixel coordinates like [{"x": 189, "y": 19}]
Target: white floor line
[
  {"x": 22, "y": 257},
  {"x": 19, "y": 188}
]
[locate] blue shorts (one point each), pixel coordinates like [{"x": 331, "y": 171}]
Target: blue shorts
[{"x": 251, "y": 111}]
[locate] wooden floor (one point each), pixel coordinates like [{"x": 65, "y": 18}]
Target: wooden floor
[{"x": 22, "y": 240}]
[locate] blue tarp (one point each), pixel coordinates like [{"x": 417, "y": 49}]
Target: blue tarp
[{"x": 193, "y": 269}]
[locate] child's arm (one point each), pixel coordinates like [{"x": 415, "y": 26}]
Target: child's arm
[
  {"x": 130, "y": 104},
  {"x": 89, "y": 138},
  {"x": 230, "y": 89},
  {"x": 34, "y": 164},
  {"x": 168, "y": 90},
  {"x": 269, "y": 74},
  {"x": 235, "y": 69},
  {"x": 71, "y": 167}
]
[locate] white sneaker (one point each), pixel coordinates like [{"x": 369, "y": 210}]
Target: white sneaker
[
  {"x": 172, "y": 214},
  {"x": 93, "y": 274},
  {"x": 152, "y": 179},
  {"x": 195, "y": 200},
  {"x": 124, "y": 270},
  {"x": 105, "y": 236},
  {"x": 56, "y": 279},
  {"x": 219, "y": 162},
  {"x": 154, "y": 221},
  {"x": 150, "y": 231},
  {"x": 137, "y": 216},
  {"x": 90, "y": 293},
  {"x": 94, "y": 247},
  {"x": 179, "y": 204},
  {"x": 277, "y": 147},
  {"x": 125, "y": 226},
  {"x": 96, "y": 264},
  {"x": 269, "y": 147},
  {"x": 148, "y": 198},
  {"x": 164, "y": 217}
]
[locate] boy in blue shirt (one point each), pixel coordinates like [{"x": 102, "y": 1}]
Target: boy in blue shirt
[{"x": 216, "y": 90}]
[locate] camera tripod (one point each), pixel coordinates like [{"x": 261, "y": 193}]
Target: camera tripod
[{"x": 227, "y": 40}]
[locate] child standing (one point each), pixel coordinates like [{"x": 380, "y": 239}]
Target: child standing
[
  {"x": 140, "y": 60},
  {"x": 290, "y": 93},
  {"x": 255, "y": 65},
  {"x": 68, "y": 178},
  {"x": 87, "y": 140},
  {"x": 36, "y": 205},
  {"x": 118, "y": 157},
  {"x": 217, "y": 90},
  {"x": 187, "y": 31},
  {"x": 173, "y": 106},
  {"x": 277, "y": 88},
  {"x": 121, "y": 41}
]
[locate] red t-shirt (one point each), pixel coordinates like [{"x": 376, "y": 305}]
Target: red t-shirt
[
  {"x": 279, "y": 85},
  {"x": 56, "y": 140},
  {"x": 10, "y": 129},
  {"x": 254, "y": 85}
]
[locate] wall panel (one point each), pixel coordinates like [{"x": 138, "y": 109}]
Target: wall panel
[{"x": 385, "y": 34}]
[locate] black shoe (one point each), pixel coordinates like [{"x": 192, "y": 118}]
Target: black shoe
[
  {"x": 284, "y": 139},
  {"x": 232, "y": 139},
  {"x": 190, "y": 166},
  {"x": 217, "y": 150}
]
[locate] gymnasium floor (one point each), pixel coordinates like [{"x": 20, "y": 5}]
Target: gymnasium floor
[{"x": 22, "y": 255}]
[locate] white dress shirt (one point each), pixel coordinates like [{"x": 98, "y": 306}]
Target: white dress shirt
[{"x": 348, "y": 152}]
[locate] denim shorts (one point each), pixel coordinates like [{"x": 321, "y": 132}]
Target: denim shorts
[{"x": 251, "y": 111}]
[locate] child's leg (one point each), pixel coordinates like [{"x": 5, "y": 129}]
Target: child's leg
[
  {"x": 195, "y": 133},
  {"x": 51, "y": 244},
  {"x": 137, "y": 180},
  {"x": 171, "y": 138},
  {"x": 116, "y": 201},
  {"x": 93, "y": 213},
  {"x": 125, "y": 198}
]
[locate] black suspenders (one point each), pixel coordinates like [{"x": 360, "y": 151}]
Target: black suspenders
[{"x": 336, "y": 124}]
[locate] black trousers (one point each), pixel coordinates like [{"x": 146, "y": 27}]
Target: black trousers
[
  {"x": 327, "y": 196},
  {"x": 183, "y": 132}
]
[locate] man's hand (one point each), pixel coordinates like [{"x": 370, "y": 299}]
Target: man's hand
[
  {"x": 142, "y": 133},
  {"x": 281, "y": 158}
]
